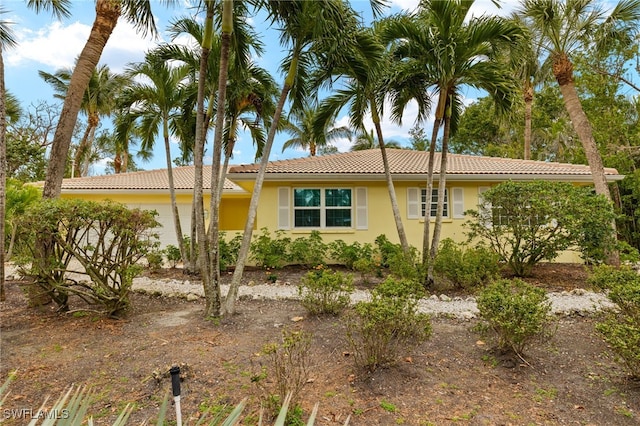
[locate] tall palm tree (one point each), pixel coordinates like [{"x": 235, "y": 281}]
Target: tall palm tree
[
  {"x": 315, "y": 32},
  {"x": 525, "y": 61},
  {"x": 7, "y": 40},
  {"x": 439, "y": 50},
  {"x": 107, "y": 14},
  {"x": 364, "y": 89},
  {"x": 367, "y": 140},
  {"x": 248, "y": 88},
  {"x": 301, "y": 130},
  {"x": 99, "y": 100},
  {"x": 154, "y": 102},
  {"x": 572, "y": 26}
]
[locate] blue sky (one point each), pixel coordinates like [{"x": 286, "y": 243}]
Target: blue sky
[{"x": 44, "y": 43}]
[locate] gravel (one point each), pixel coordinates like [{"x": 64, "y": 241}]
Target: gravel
[{"x": 576, "y": 302}]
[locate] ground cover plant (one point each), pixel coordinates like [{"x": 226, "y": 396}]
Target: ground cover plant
[{"x": 454, "y": 377}]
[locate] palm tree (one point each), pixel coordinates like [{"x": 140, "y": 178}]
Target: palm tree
[
  {"x": 367, "y": 140},
  {"x": 315, "y": 32},
  {"x": 363, "y": 91},
  {"x": 6, "y": 41},
  {"x": 440, "y": 50},
  {"x": 98, "y": 100},
  {"x": 573, "y": 26},
  {"x": 301, "y": 130},
  {"x": 525, "y": 61},
  {"x": 107, "y": 14},
  {"x": 154, "y": 103},
  {"x": 249, "y": 88}
]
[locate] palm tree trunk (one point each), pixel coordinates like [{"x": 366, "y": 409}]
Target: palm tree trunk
[
  {"x": 172, "y": 190},
  {"x": 243, "y": 254},
  {"x": 583, "y": 129},
  {"x": 3, "y": 173},
  {"x": 442, "y": 185},
  {"x": 562, "y": 69},
  {"x": 76, "y": 170},
  {"x": 390, "y": 187},
  {"x": 198, "y": 152},
  {"x": 107, "y": 14},
  {"x": 214, "y": 308},
  {"x": 426, "y": 258},
  {"x": 528, "y": 105}
]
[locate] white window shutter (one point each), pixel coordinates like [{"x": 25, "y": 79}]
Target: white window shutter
[
  {"x": 362, "y": 214},
  {"x": 458, "y": 202},
  {"x": 284, "y": 217},
  {"x": 481, "y": 202},
  {"x": 413, "y": 203},
  {"x": 484, "y": 208}
]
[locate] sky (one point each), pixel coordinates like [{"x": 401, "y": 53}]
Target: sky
[{"x": 48, "y": 44}]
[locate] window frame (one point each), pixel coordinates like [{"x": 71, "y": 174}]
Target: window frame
[{"x": 323, "y": 207}]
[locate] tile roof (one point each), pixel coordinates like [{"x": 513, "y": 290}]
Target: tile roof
[
  {"x": 144, "y": 180},
  {"x": 409, "y": 162},
  {"x": 403, "y": 162}
]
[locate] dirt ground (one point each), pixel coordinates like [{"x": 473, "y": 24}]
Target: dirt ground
[{"x": 454, "y": 378}]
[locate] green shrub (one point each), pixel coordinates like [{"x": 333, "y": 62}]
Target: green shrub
[
  {"x": 229, "y": 250},
  {"x": 287, "y": 368},
  {"x": 528, "y": 222},
  {"x": 466, "y": 267},
  {"x": 367, "y": 266},
  {"x": 172, "y": 253},
  {"x": 155, "y": 259},
  {"x": 517, "y": 312},
  {"x": 621, "y": 326},
  {"x": 107, "y": 239},
  {"x": 405, "y": 265},
  {"x": 387, "y": 249},
  {"x": 349, "y": 254},
  {"x": 378, "y": 330},
  {"x": 308, "y": 251},
  {"x": 325, "y": 292},
  {"x": 268, "y": 252}
]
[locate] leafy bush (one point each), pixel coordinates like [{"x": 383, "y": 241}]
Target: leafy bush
[
  {"x": 287, "y": 369},
  {"x": 325, "y": 292},
  {"x": 621, "y": 326},
  {"x": 349, "y": 254},
  {"x": 308, "y": 251},
  {"x": 155, "y": 259},
  {"x": 229, "y": 250},
  {"x": 173, "y": 254},
  {"x": 107, "y": 239},
  {"x": 268, "y": 252},
  {"x": 378, "y": 330},
  {"x": 405, "y": 265},
  {"x": 367, "y": 266},
  {"x": 516, "y": 311},
  {"x": 387, "y": 249},
  {"x": 528, "y": 222},
  {"x": 466, "y": 267}
]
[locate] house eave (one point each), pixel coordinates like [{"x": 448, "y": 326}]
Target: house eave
[{"x": 457, "y": 177}]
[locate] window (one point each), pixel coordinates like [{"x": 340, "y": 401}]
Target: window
[
  {"x": 417, "y": 202},
  {"x": 322, "y": 208}
]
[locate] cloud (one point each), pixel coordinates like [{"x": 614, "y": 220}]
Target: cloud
[
  {"x": 407, "y": 5},
  {"x": 57, "y": 45}
]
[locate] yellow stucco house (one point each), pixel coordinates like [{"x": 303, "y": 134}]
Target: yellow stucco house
[{"x": 344, "y": 196}]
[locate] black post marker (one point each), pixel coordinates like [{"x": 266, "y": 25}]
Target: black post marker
[{"x": 175, "y": 387}]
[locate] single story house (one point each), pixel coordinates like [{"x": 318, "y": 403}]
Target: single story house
[{"x": 344, "y": 196}]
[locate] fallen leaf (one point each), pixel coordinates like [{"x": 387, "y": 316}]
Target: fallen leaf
[{"x": 296, "y": 319}]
